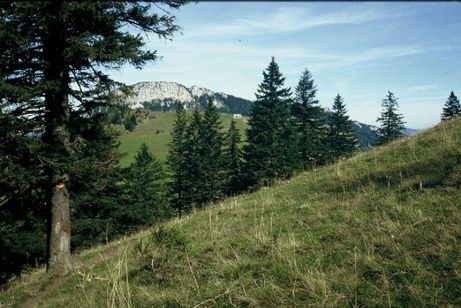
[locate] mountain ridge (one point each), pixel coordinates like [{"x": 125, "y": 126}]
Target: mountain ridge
[{"x": 162, "y": 95}]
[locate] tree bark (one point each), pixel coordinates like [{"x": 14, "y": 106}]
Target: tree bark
[{"x": 56, "y": 73}]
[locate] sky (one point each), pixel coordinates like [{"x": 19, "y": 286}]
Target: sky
[{"x": 359, "y": 50}]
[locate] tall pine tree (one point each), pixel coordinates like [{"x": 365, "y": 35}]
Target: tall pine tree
[
  {"x": 212, "y": 141},
  {"x": 392, "y": 124},
  {"x": 177, "y": 159},
  {"x": 144, "y": 191},
  {"x": 310, "y": 123},
  {"x": 265, "y": 152},
  {"x": 51, "y": 62},
  {"x": 193, "y": 170},
  {"x": 233, "y": 160},
  {"x": 341, "y": 135},
  {"x": 452, "y": 108}
]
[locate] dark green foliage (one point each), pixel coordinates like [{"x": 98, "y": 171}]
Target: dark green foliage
[
  {"x": 121, "y": 201},
  {"x": 265, "y": 152},
  {"x": 196, "y": 159},
  {"x": 94, "y": 182},
  {"x": 122, "y": 115},
  {"x": 194, "y": 192},
  {"x": 290, "y": 154},
  {"x": 131, "y": 123},
  {"x": 22, "y": 205},
  {"x": 52, "y": 91},
  {"x": 392, "y": 124},
  {"x": 203, "y": 169},
  {"x": 230, "y": 104},
  {"x": 144, "y": 189},
  {"x": 212, "y": 140},
  {"x": 342, "y": 140},
  {"x": 23, "y": 215},
  {"x": 177, "y": 159},
  {"x": 452, "y": 108},
  {"x": 310, "y": 123},
  {"x": 233, "y": 161}
]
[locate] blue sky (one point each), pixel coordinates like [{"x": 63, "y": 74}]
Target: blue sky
[{"x": 359, "y": 50}]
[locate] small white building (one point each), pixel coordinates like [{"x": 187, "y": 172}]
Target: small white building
[{"x": 237, "y": 116}]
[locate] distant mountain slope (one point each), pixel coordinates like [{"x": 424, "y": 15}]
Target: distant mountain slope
[
  {"x": 161, "y": 96},
  {"x": 365, "y": 134}
]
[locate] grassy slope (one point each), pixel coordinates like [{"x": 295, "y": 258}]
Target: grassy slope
[
  {"x": 156, "y": 134},
  {"x": 381, "y": 228}
]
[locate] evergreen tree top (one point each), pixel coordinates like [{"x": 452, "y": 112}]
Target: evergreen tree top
[
  {"x": 339, "y": 107},
  {"x": 211, "y": 114},
  {"x": 392, "y": 124},
  {"x": 143, "y": 156},
  {"x": 272, "y": 86},
  {"x": 306, "y": 90},
  {"x": 452, "y": 107}
]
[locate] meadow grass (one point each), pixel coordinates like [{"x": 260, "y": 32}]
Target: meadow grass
[
  {"x": 382, "y": 228},
  {"x": 156, "y": 133}
]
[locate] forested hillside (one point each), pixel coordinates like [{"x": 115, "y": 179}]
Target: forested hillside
[
  {"x": 380, "y": 227},
  {"x": 120, "y": 193}
]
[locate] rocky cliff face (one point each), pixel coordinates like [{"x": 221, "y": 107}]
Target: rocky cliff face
[{"x": 161, "y": 95}]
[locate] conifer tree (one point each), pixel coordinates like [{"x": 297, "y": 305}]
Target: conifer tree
[
  {"x": 193, "y": 170},
  {"x": 144, "y": 191},
  {"x": 211, "y": 139},
  {"x": 392, "y": 124},
  {"x": 265, "y": 155},
  {"x": 51, "y": 62},
  {"x": 452, "y": 108},
  {"x": 341, "y": 135},
  {"x": 233, "y": 160},
  {"x": 131, "y": 123},
  {"x": 310, "y": 125},
  {"x": 177, "y": 159}
]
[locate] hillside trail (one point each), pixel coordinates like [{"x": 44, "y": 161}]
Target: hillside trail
[{"x": 59, "y": 281}]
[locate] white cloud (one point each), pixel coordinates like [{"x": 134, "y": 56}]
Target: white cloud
[
  {"x": 419, "y": 88},
  {"x": 286, "y": 19},
  {"x": 229, "y": 52}
]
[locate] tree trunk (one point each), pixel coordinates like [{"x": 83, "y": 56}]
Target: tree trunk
[{"x": 56, "y": 73}]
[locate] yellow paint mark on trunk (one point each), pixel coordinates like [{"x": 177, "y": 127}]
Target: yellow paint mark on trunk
[{"x": 57, "y": 227}]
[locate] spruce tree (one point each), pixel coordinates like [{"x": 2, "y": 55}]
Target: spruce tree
[
  {"x": 233, "y": 160},
  {"x": 144, "y": 191},
  {"x": 193, "y": 170},
  {"x": 131, "y": 123},
  {"x": 392, "y": 124},
  {"x": 177, "y": 159},
  {"x": 452, "y": 108},
  {"x": 211, "y": 139},
  {"x": 94, "y": 185},
  {"x": 341, "y": 135},
  {"x": 310, "y": 124},
  {"x": 265, "y": 155},
  {"x": 51, "y": 62}
]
